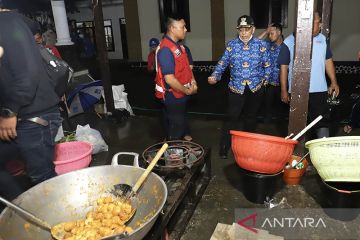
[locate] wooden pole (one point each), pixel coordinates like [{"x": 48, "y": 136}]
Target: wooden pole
[
  {"x": 326, "y": 18},
  {"x": 133, "y": 29},
  {"x": 217, "y": 28},
  {"x": 301, "y": 71},
  {"x": 102, "y": 54}
]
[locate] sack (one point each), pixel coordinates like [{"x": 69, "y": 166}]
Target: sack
[
  {"x": 59, "y": 72},
  {"x": 120, "y": 99}
]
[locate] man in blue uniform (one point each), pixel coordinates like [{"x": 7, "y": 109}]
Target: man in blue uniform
[
  {"x": 272, "y": 89},
  {"x": 321, "y": 62},
  {"x": 249, "y": 62}
]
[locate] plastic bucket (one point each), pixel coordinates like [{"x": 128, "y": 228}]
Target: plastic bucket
[
  {"x": 257, "y": 187},
  {"x": 293, "y": 176},
  {"x": 341, "y": 200},
  {"x": 71, "y": 156}
]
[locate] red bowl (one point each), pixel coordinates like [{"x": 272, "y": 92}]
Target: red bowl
[{"x": 261, "y": 153}]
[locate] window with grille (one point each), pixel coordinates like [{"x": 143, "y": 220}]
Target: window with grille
[
  {"x": 87, "y": 27},
  {"x": 109, "y": 36},
  {"x": 265, "y": 12}
]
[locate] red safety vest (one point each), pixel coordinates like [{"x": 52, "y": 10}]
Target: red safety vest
[{"x": 183, "y": 71}]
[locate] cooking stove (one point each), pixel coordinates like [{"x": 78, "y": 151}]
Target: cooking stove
[
  {"x": 186, "y": 170},
  {"x": 179, "y": 157}
]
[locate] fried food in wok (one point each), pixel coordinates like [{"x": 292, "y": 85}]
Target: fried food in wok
[{"x": 108, "y": 218}]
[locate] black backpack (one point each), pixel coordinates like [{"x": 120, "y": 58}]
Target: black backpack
[{"x": 59, "y": 72}]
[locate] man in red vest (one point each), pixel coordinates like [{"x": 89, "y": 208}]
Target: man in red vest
[
  {"x": 174, "y": 80},
  {"x": 153, "y": 44}
]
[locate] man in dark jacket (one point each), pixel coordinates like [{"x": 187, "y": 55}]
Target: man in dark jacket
[{"x": 29, "y": 115}]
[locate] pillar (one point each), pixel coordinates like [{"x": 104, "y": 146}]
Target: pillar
[
  {"x": 301, "y": 71},
  {"x": 61, "y": 23},
  {"x": 217, "y": 28}
]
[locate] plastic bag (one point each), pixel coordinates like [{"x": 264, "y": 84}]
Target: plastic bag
[
  {"x": 59, "y": 134},
  {"x": 120, "y": 99},
  {"x": 92, "y": 136},
  {"x": 271, "y": 203}
]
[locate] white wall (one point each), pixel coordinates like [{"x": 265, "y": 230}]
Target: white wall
[
  {"x": 236, "y": 8},
  {"x": 233, "y": 9},
  {"x": 345, "y": 35},
  {"x": 149, "y": 20},
  {"x": 345, "y": 27},
  {"x": 198, "y": 40},
  {"x": 110, "y": 12}
]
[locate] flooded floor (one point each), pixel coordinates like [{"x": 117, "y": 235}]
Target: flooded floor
[{"x": 224, "y": 197}]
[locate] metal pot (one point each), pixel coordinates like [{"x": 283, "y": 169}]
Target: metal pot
[{"x": 70, "y": 196}]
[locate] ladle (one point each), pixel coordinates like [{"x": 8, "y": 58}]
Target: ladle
[
  {"x": 289, "y": 136},
  {"x": 302, "y": 159},
  {"x": 57, "y": 231},
  {"x": 289, "y": 166},
  {"x": 316, "y": 120},
  {"x": 125, "y": 191},
  {"x": 122, "y": 191},
  {"x": 29, "y": 216},
  {"x": 305, "y": 129}
]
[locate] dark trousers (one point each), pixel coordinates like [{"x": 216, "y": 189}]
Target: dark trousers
[
  {"x": 35, "y": 144},
  {"x": 355, "y": 115},
  {"x": 236, "y": 104},
  {"x": 9, "y": 188},
  {"x": 318, "y": 106},
  {"x": 174, "y": 120},
  {"x": 272, "y": 95}
]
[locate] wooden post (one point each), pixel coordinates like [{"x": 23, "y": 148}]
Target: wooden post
[
  {"x": 301, "y": 71},
  {"x": 102, "y": 54},
  {"x": 133, "y": 29},
  {"x": 217, "y": 28},
  {"x": 326, "y": 18}
]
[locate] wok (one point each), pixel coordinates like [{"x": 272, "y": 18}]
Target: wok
[{"x": 70, "y": 196}]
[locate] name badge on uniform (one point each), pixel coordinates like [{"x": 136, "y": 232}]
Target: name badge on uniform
[{"x": 177, "y": 52}]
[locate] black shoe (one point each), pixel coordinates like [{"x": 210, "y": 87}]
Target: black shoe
[{"x": 223, "y": 153}]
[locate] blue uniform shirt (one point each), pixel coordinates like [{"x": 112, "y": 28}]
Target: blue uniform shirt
[
  {"x": 320, "y": 53},
  {"x": 274, "y": 51},
  {"x": 167, "y": 63},
  {"x": 249, "y": 64}
]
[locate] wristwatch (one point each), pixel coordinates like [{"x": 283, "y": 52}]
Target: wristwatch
[{"x": 6, "y": 113}]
